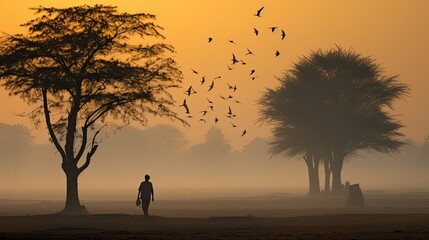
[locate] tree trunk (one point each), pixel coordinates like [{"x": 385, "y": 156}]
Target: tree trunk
[
  {"x": 327, "y": 178},
  {"x": 313, "y": 174},
  {"x": 72, "y": 205},
  {"x": 337, "y": 167},
  {"x": 316, "y": 186},
  {"x": 337, "y": 186}
]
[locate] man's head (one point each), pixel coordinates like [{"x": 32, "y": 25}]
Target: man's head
[{"x": 146, "y": 177}]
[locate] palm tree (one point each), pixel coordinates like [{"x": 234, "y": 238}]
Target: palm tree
[{"x": 330, "y": 105}]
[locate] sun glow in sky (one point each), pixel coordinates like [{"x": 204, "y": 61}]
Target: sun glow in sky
[{"x": 393, "y": 32}]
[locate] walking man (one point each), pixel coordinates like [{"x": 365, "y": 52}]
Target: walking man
[{"x": 145, "y": 194}]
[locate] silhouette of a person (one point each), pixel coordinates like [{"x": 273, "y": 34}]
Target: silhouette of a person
[{"x": 145, "y": 194}]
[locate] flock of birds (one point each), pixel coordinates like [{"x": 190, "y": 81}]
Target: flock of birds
[{"x": 232, "y": 88}]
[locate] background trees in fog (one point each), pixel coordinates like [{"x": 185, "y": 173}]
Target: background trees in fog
[{"x": 131, "y": 152}]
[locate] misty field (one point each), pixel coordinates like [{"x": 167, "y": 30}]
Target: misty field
[{"x": 397, "y": 215}]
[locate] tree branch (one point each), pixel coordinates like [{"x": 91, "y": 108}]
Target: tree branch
[
  {"x": 90, "y": 153},
  {"x": 49, "y": 125},
  {"x": 83, "y": 144}
]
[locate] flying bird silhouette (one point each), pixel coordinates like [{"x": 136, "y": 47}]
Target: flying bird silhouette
[
  {"x": 185, "y": 105},
  {"x": 243, "y": 62},
  {"x": 210, "y": 39},
  {"x": 252, "y": 71},
  {"x": 190, "y": 91},
  {"x": 232, "y": 87},
  {"x": 253, "y": 78},
  {"x": 283, "y": 34},
  {"x": 204, "y": 113},
  {"x": 216, "y": 120},
  {"x": 211, "y": 107},
  {"x": 209, "y": 101},
  {"x": 211, "y": 86},
  {"x": 256, "y": 31},
  {"x": 244, "y": 132},
  {"x": 231, "y": 41},
  {"x": 229, "y": 68},
  {"x": 234, "y": 59},
  {"x": 203, "y": 80},
  {"x": 202, "y": 120},
  {"x": 233, "y": 125},
  {"x": 272, "y": 28},
  {"x": 194, "y": 71},
  {"x": 277, "y": 53},
  {"x": 258, "y": 13},
  {"x": 229, "y": 111},
  {"x": 249, "y": 52},
  {"x": 222, "y": 97},
  {"x": 217, "y": 77}
]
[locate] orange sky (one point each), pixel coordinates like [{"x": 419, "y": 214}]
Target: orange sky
[{"x": 392, "y": 31}]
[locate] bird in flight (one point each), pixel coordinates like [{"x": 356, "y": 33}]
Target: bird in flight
[
  {"x": 210, "y": 39},
  {"x": 232, "y": 87},
  {"x": 233, "y": 125},
  {"x": 185, "y": 106},
  {"x": 258, "y": 13},
  {"x": 234, "y": 59},
  {"x": 253, "y": 78},
  {"x": 204, "y": 113},
  {"x": 252, "y": 71},
  {"x": 211, "y": 86},
  {"x": 222, "y": 97},
  {"x": 231, "y": 41},
  {"x": 209, "y": 101},
  {"x": 190, "y": 91},
  {"x": 256, "y": 31},
  {"x": 243, "y": 62},
  {"x": 229, "y": 111},
  {"x": 211, "y": 107},
  {"x": 244, "y": 132},
  {"x": 229, "y": 68},
  {"x": 272, "y": 28},
  {"x": 217, "y": 77},
  {"x": 283, "y": 34},
  {"x": 277, "y": 53},
  {"x": 216, "y": 120},
  {"x": 202, "y": 120},
  {"x": 249, "y": 52},
  {"x": 194, "y": 71},
  {"x": 203, "y": 80}
]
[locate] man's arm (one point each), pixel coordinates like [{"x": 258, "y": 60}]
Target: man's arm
[
  {"x": 138, "y": 194},
  {"x": 153, "y": 197}
]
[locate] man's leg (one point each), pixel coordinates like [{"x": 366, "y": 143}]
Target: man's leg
[{"x": 145, "y": 206}]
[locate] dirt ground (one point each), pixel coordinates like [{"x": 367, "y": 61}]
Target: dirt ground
[
  {"x": 404, "y": 216},
  {"x": 348, "y": 226}
]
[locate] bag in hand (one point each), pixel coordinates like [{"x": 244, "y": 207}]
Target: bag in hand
[{"x": 138, "y": 202}]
